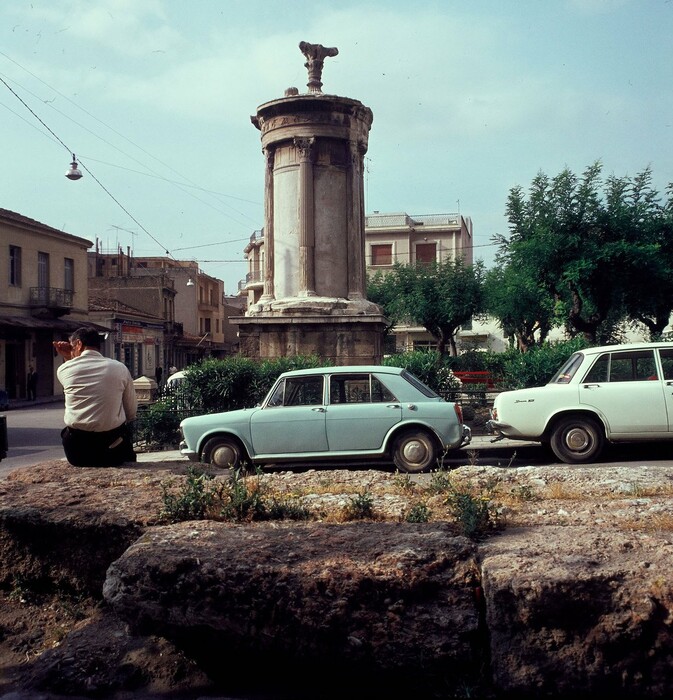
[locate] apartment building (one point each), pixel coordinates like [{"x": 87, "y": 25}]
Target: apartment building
[
  {"x": 43, "y": 297},
  {"x": 187, "y": 309}
]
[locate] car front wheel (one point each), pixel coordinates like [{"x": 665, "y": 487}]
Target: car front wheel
[
  {"x": 223, "y": 452},
  {"x": 414, "y": 451},
  {"x": 577, "y": 440}
]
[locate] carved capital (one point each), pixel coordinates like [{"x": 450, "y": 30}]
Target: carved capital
[
  {"x": 305, "y": 146},
  {"x": 315, "y": 55}
]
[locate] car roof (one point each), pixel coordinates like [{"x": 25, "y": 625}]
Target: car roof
[
  {"x": 626, "y": 346},
  {"x": 378, "y": 369}
]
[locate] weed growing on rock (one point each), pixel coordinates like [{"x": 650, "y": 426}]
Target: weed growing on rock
[
  {"x": 418, "y": 513},
  {"x": 474, "y": 511},
  {"x": 360, "y": 507},
  {"x": 194, "y": 501},
  {"x": 524, "y": 493}
]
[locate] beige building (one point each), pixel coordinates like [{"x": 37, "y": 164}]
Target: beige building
[
  {"x": 188, "y": 308},
  {"x": 43, "y": 297}
]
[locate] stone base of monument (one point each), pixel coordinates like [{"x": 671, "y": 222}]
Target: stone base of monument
[{"x": 341, "y": 339}]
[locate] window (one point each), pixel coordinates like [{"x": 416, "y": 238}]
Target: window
[
  {"x": 667, "y": 363},
  {"x": 426, "y": 253},
  {"x": 623, "y": 367},
  {"x": 206, "y": 325},
  {"x": 299, "y": 391},
  {"x": 358, "y": 388},
  {"x": 14, "y": 266},
  {"x": 382, "y": 254},
  {"x": 69, "y": 274},
  {"x": 43, "y": 270}
]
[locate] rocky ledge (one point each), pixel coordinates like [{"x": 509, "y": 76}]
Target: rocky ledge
[{"x": 571, "y": 597}]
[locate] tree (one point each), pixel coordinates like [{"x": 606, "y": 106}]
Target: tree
[
  {"x": 584, "y": 248},
  {"x": 441, "y": 297},
  {"x": 523, "y": 310}
]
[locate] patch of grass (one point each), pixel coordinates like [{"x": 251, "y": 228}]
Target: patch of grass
[
  {"x": 474, "y": 510},
  {"x": 524, "y": 493},
  {"x": 360, "y": 507},
  {"x": 660, "y": 522},
  {"x": 418, "y": 513},
  {"x": 560, "y": 491},
  {"x": 193, "y": 501}
]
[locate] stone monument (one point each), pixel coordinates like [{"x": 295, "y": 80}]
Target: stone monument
[{"x": 314, "y": 296}]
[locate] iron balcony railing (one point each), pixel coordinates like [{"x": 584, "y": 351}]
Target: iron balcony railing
[{"x": 51, "y": 297}]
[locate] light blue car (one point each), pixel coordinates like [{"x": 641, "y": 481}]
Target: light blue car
[{"x": 333, "y": 415}]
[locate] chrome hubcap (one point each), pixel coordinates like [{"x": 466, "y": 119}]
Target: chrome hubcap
[
  {"x": 223, "y": 456},
  {"x": 577, "y": 439},
  {"x": 414, "y": 451}
]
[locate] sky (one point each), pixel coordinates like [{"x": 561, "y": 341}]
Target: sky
[{"x": 470, "y": 98}]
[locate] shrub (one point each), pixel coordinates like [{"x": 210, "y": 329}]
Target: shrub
[
  {"x": 537, "y": 366},
  {"x": 158, "y": 425},
  {"x": 193, "y": 501}
]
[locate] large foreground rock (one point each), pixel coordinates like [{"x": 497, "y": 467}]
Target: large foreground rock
[
  {"x": 572, "y": 599},
  {"x": 387, "y": 597}
]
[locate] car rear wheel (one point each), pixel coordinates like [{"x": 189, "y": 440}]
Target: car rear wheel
[
  {"x": 414, "y": 451},
  {"x": 577, "y": 440},
  {"x": 223, "y": 452}
]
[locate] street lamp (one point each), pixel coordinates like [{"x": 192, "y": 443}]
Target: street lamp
[{"x": 73, "y": 172}]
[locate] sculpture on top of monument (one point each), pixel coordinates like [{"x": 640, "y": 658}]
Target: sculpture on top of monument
[{"x": 315, "y": 56}]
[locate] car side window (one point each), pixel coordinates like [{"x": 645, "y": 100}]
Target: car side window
[
  {"x": 666, "y": 356},
  {"x": 632, "y": 366},
  {"x": 600, "y": 369},
  {"x": 358, "y": 388},
  {"x": 303, "y": 391}
]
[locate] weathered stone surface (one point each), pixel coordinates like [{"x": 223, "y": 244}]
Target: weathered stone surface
[
  {"x": 394, "y": 596},
  {"x": 576, "y": 600},
  {"x": 580, "y": 610},
  {"x": 61, "y": 526}
]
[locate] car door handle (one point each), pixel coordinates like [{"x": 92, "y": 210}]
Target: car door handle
[
  {"x": 319, "y": 409},
  {"x": 591, "y": 386},
  {"x": 392, "y": 405}
]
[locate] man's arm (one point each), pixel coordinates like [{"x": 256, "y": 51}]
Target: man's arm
[
  {"x": 63, "y": 348},
  {"x": 130, "y": 400}
]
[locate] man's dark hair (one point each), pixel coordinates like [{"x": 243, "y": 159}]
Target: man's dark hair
[{"x": 90, "y": 337}]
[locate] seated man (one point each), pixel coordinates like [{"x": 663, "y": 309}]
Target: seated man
[{"x": 100, "y": 401}]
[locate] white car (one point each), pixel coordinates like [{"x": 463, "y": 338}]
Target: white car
[{"x": 614, "y": 393}]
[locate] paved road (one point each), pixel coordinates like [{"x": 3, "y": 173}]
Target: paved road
[{"x": 34, "y": 435}]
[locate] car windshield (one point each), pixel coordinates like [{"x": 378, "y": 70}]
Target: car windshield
[{"x": 567, "y": 371}]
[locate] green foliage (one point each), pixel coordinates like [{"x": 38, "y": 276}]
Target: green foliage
[
  {"x": 439, "y": 296},
  {"x": 418, "y": 513},
  {"x": 200, "y": 497},
  {"x": 599, "y": 250},
  {"x": 360, "y": 507},
  {"x": 216, "y": 385},
  {"x": 221, "y": 385},
  {"x": 158, "y": 425},
  {"x": 537, "y": 366},
  {"x": 474, "y": 510},
  {"x": 193, "y": 501},
  {"x": 244, "y": 500}
]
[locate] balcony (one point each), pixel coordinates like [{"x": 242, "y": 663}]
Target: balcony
[{"x": 50, "y": 302}]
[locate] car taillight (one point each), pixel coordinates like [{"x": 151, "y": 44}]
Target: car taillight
[{"x": 459, "y": 412}]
